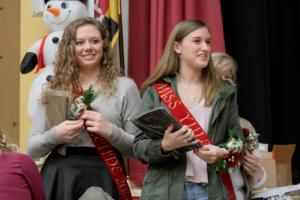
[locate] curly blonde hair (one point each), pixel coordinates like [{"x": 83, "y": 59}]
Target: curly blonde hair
[
  {"x": 4, "y": 145},
  {"x": 66, "y": 67}
]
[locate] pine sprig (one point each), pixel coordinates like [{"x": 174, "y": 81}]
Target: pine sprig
[{"x": 89, "y": 96}]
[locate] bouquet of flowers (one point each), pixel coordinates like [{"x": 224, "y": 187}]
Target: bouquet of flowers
[
  {"x": 231, "y": 160},
  {"x": 83, "y": 102}
]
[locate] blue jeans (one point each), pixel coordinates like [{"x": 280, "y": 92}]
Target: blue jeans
[{"x": 195, "y": 191}]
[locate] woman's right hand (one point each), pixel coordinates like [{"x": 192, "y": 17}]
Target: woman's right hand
[
  {"x": 210, "y": 153},
  {"x": 180, "y": 138},
  {"x": 68, "y": 130}
]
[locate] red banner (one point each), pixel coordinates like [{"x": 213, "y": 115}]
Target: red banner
[{"x": 113, "y": 165}]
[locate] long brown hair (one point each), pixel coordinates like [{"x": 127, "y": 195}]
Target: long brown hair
[
  {"x": 66, "y": 68},
  {"x": 169, "y": 63}
]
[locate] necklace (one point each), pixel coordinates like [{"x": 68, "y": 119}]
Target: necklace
[
  {"x": 186, "y": 89},
  {"x": 191, "y": 99}
]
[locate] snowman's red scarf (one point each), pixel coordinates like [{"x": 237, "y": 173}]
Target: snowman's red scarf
[
  {"x": 40, "y": 55},
  {"x": 113, "y": 165},
  {"x": 182, "y": 114}
]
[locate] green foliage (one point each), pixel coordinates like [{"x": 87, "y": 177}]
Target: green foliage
[{"x": 89, "y": 96}]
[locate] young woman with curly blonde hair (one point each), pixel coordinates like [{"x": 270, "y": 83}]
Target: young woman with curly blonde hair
[{"x": 84, "y": 60}]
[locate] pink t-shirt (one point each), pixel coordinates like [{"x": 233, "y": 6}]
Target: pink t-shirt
[
  {"x": 20, "y": 178},
  {"x": 196, "y": 170}
]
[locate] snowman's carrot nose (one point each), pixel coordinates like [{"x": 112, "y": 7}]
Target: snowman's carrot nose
[{"x": 54, "y": 11}]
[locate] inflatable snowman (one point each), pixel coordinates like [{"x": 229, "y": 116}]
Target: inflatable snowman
[{"x": 57, "y": 15}]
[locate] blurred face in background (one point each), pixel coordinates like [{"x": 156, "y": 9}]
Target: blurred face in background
[{"x": 225, "y": 73}]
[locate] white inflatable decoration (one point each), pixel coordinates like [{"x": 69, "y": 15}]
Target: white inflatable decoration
[{"x": 57, "y": 15}]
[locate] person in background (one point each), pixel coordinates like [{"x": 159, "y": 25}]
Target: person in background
[
  {"x": 226, "y": 69},
  {"x": 97, "y": 137},
  {"x": 186, "y": 70},
  {"x": 19, "y": 176}
]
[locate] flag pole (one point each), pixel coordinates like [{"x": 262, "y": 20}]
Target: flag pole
[{"x": 121, "y": 45}]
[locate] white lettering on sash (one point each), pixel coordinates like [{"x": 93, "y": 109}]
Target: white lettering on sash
[
  {"x": 168, "y": 97},
  {"x": 162, "y": 86},
  {"x": 164, "y": 95},
  {"x": 112, "y": 163},
  {"x": 189, "y": 121},
  {"x": 186, "y": 117},
  {"x": 173, "y": 105}
]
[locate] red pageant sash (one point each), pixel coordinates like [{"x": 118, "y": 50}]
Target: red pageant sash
[
  {"x": 182, "y": 114},
  {"x": 113, "y": 165}
]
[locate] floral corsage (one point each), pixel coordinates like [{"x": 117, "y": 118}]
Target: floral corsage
[
  {"x": 231, "y": 160},
  {"x": 83, "y": 102}
]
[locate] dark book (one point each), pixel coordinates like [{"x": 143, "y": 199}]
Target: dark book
[{"x": 154, "y": 123}]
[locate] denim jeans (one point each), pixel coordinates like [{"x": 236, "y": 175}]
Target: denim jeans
[{"x": 195, "y": 191}]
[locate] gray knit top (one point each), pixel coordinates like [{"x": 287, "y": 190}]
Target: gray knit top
[{"x": 117, "y": 109}]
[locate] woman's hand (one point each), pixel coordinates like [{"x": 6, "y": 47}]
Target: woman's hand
[
  {"x": 96, "y": 123},
  {"x": 210, "y": 153},
  {"x": 173, "y": 140},
  {"x": 68, "y": 130},
  {"x": 252, "y": 165}
]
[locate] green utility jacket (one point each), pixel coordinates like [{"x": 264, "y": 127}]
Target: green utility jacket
[{"x": 166, "y": 174}]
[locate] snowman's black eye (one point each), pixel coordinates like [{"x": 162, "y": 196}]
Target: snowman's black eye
[
  {"x": 64, "y": 5},
  {"x": 55, "y": 40},
  {"x": 49, "y": 6}
]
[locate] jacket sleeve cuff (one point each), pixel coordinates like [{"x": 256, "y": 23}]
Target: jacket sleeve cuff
[{"x": 260, "y": 182}]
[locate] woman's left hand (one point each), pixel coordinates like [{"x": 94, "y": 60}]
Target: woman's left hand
[
  {"x": 252, "y": 164},
  {"x": 96, "y": 123}
]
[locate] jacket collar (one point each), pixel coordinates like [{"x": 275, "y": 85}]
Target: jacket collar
[{"x": 172, "y": 80}]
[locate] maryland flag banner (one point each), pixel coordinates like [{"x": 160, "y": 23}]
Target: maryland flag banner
[{"x": 108, "y": 12}]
